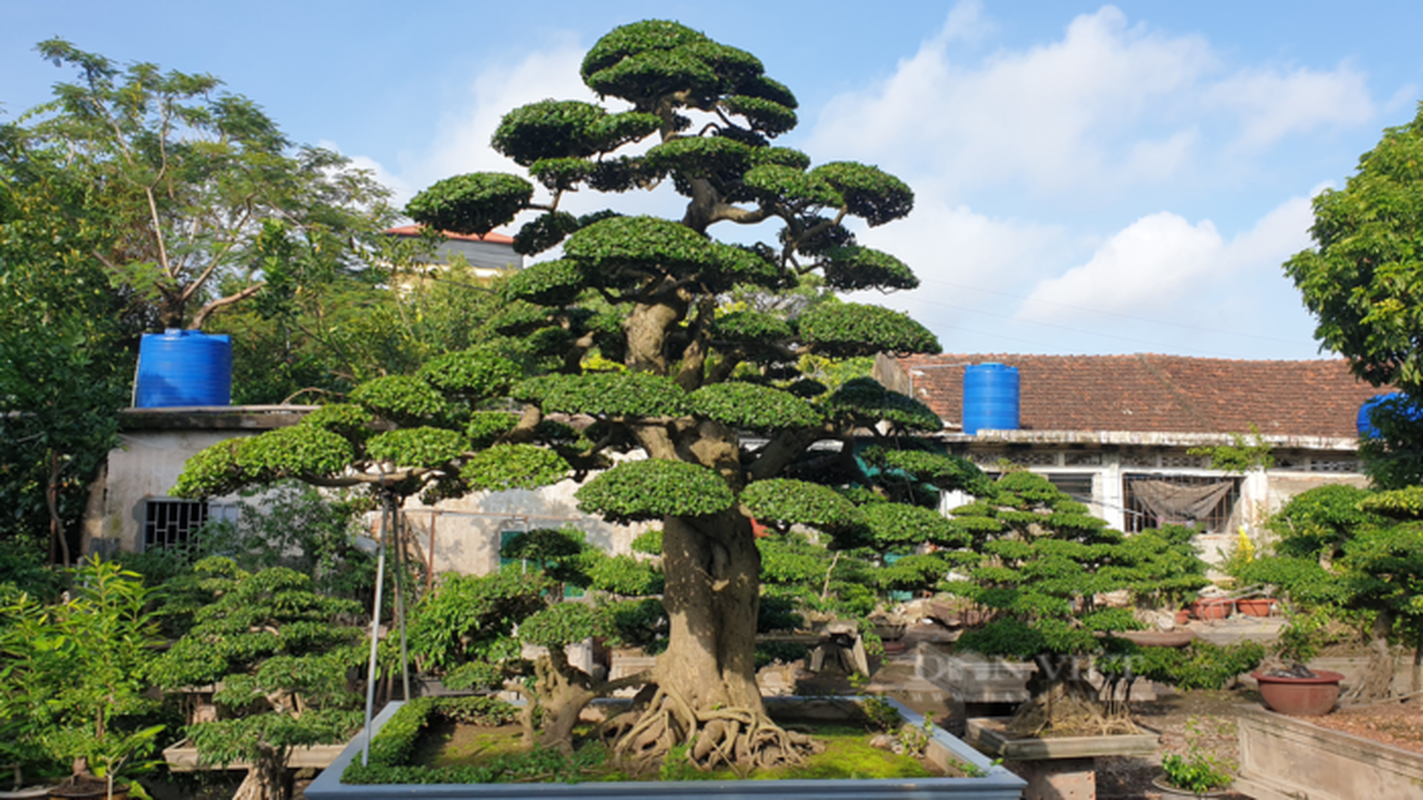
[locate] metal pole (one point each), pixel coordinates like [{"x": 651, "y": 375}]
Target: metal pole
[
  {"x": 375, "y": 629},
  {"x": 400, "y": 563}
]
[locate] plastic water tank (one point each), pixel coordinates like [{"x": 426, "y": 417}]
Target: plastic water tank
[
  {"x": 184, "y": 368},
  {"x": 1366, "y": 427},
  {"x": 990, "y": 397}
]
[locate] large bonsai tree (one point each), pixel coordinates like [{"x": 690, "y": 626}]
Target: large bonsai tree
[{"x": 703, "y": 388}]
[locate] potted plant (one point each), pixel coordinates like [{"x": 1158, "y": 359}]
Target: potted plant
[
  {"x": 1196, "y": 773},
  {"x": 1295, "y": 689}
]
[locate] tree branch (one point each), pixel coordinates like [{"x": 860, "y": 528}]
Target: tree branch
[{"x": 207, "y": 310}]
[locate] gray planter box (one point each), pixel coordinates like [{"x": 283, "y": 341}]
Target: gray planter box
[
  {"x": 998, "y": 783},
  {"x": 1282, "y": 758}
]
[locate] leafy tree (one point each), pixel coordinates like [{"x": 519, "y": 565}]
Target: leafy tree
[
  {"x": 63, "y": 366},
  {"x": 690, "y": 386},
  {"x": 473, "y": 629},
  {"x": 1043, "y": 563},
  {"x": 281, "y": 655},
  {"x": 1393, "y": 459},
  {"x": 72, "y": 673},
  {"x": 187, "y": 180}
]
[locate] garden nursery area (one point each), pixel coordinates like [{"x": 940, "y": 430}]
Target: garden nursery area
[{"x": 732, "y": 562}]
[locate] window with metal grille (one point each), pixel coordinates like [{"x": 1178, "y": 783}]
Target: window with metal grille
[
  {"x": 1202, "y": 501},
  {"x": 172, "y": 524},
  {"x": 1076, "y": 485}
]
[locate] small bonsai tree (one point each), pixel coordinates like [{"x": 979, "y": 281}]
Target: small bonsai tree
[
  {"x": 282, "y": 654},
  {"x": 1043, "y": 566}
]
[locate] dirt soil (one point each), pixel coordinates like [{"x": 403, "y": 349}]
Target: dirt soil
[
  {"x": 1212, "y": 713},
  {"x": 1397, "y": 724}
]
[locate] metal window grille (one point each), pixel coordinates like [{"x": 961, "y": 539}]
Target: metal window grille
[
  {"x": 1139, "y": 517},
  {"x": 172, "y": 524},
  {"x": 1078, "y": 486}
]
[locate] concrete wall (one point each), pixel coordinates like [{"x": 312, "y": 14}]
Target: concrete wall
[
  {"x": 467, "y": 530},
  {"x": 144, "y": 467}
]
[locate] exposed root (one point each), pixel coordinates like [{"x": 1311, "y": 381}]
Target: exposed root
[
  {"x": 1070, "y": 708},
  {"x": 740, "y": 738}
]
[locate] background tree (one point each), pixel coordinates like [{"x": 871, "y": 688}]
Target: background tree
[
  {"x": 63, "y": 367},
  {"x": 690, "y": 387},
  {"x": 187, "y": 178}
]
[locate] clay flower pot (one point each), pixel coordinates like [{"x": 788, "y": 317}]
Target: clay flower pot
[
  {"x": 1212, "y": 608},
  {"x": 1183, "y": 616},
  {"x": 1255, "y": 606},
  {"x": 1300, "y": 697}
]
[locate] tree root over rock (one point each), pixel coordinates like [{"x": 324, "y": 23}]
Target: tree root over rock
[{"x": 740, "y": 738}]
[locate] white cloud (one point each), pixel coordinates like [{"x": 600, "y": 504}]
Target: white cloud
[
  {"x": 1163, "y": 262},
  {"x": 1273, "y": 105},
  {"x": 1109, "y": 104},
  {"x": 459, "y": 142}
]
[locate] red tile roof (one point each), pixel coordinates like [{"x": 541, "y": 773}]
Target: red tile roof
[
  {"x": 491, "y": 237},
  {"x": 1166, "y": 394}
]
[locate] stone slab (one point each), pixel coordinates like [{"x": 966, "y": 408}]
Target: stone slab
[
  {"x": 988, "y": 736},
  {"x": 1283, "y": 756}
]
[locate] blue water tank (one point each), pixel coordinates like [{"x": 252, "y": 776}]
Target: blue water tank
[
  {"x": 990, "y": 397},
  {"x": 1413, "y": 411},
  {"x": 184, "y": 368}
]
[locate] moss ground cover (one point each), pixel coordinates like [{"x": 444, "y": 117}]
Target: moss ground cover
[{"x": 428, "y": 741}]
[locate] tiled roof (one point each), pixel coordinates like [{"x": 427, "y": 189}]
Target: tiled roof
[
  {"x": 1153, "y": 393},
  {"x": 491, "y": 237}
]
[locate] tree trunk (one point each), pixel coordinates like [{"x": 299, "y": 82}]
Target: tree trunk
[
  {"x": 1064, "y": 703},
  {"x": 266, "y": 778},
  {"x": 1377, "y": 676},
  {"x": 706, "y": 680}
]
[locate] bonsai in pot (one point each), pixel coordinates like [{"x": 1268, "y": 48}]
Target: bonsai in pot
[{"x": 1043, "y": 562}]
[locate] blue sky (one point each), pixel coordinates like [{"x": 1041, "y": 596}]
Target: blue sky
[{"x": 1090, "y": 178}]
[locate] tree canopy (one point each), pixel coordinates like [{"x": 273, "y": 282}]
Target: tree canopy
[{"x": 1362, "y": 277}]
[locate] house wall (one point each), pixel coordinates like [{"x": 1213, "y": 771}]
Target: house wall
[
  {"x": 1261, "y": 493},
  {"x": 158, "y": 442},
  {"x": 468, "y": 529},
  {"x": 145, "y": 466}
]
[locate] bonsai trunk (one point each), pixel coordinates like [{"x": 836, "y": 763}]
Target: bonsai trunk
[
  {"x": 1377, "y": 676},
  {"x": 266, "y": 777},
  {"x": 1063, "y": 702},
  {"x": 704, "y": 685}
]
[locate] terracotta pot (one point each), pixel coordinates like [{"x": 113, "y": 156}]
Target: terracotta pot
[
  {"x": 1213, "y": 608},
  {"x": 1183, "y": 616},
  {"x": 1300, "y": 697},
  {"x": 1255, "y": 606},
  {"x": 894, "y": 648}
]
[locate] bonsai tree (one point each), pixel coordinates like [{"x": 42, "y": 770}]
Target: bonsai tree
[
  {"x": 1346, "y": 549},
  {"x": 474, "y": 629},
  {"x": 281, "y": 656},
  {"x": 1043, "y": 564},
  {"x": 681, "y": 377},
  {"x": 72, "y": 674}
]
